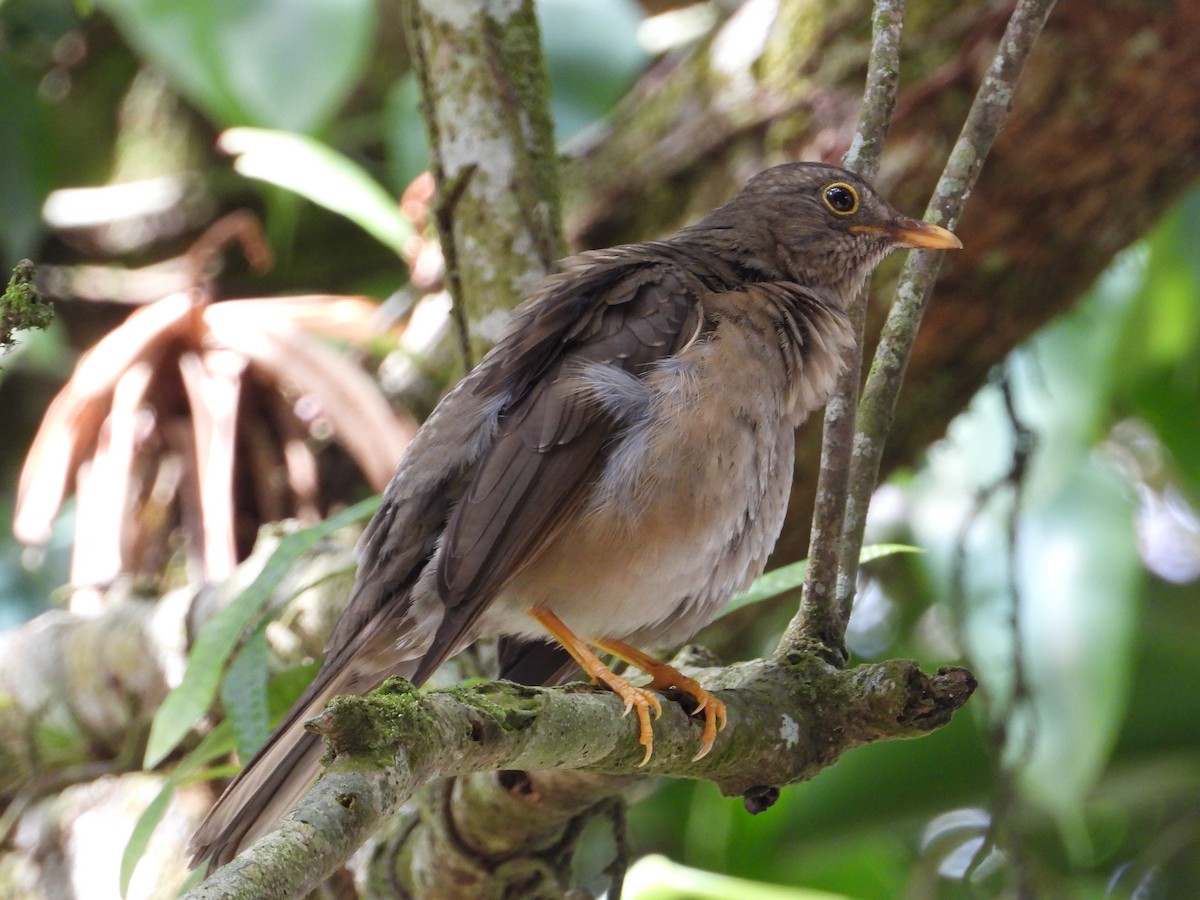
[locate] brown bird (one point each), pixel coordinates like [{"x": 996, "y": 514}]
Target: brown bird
[{"x": 612, "y": 471}]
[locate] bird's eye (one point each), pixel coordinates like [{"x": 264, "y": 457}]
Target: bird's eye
[{"x": 841, "y": 198}]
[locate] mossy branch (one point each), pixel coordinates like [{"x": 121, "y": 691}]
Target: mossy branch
[
  {"x": 485, "y": 101},
  {"x": 788, "y": 719}
]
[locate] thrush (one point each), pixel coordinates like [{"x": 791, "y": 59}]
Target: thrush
[{"x": 611, "y": 472}]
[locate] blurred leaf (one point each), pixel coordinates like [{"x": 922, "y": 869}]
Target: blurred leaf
[
  {"x": 272, "y": 63},
  {"x": 322, "y": 175},
  {"x": 139, "y": 839},
  {"x": 1158, "y": 357},
  {"x": 26, "y": 162},
  {"x": 216, "y": 743},
  {"x": 244, "y": 695},
  {"x": 872, "y": 552},
  {"x": 404, "y": 132},
  {"x": 771, "y": 584},
  {"x": 286, "y": 687},
  {"x": 852, "y": 830},
  {"x": 1079, "y": 571},
  {"x": 1076, "y": 568},
  {"x": 281, "y": 693},
  {"x": 657, "y": 878},
  {"x": 592, "y": 55},
  {"x": 191, "y": 699}
]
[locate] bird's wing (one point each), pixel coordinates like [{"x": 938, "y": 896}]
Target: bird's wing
[{"x": 552, "y": 439}]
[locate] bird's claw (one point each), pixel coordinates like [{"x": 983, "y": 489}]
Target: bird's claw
[
  {"x": 664, "y": 677},
  {"x": 715, "y": 718}
]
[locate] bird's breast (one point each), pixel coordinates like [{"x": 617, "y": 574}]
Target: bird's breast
[{"x": 689, "y": 503}]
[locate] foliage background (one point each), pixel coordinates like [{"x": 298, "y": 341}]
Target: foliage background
[{"x": 1079, "y": 762}]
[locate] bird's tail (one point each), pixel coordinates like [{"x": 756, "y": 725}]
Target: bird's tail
[{"x": 290, "y": 761}]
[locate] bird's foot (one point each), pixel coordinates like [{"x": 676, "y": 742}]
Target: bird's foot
[
  {"x": 636, "y": 698},
  {"x": 643, "y": 700},
  {"x": 665, "y": 677}
]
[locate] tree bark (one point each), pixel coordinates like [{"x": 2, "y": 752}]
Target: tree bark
[{"x": 486, "y": 104}]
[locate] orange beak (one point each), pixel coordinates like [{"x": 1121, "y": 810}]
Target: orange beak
[{"x": 908, "y": 232}]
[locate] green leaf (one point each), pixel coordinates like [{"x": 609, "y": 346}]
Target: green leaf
[
  {"x": 872, "y": 552},
  {"x": 142, "y": 830},
  {"x": 244, "y": 695},
  {"x": 215, "y": 744},
  {"x": 592, "y": 57},
  {"x": 28, "y": 161},
  {"x": 217, "y": 640},
  {"x": 274, "y": 63},
  {"x": 772, "y": 584},
  {"x": 1080, "y": 579},
  {"x": 320, "y": 174},
  {"x": 791, "y": 576},
  {"x": 1158, "y": 356}
]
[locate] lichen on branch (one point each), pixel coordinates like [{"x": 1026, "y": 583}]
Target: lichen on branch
[{"x": 22, "y": 307}]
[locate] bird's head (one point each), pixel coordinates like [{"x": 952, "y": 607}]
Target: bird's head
[{"x": 815, "y": 224}]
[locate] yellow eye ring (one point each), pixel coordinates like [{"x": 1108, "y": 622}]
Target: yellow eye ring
[{"x": 841, "y": 198}]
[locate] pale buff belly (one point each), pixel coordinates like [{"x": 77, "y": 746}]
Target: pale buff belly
[{"x": 657, "y": 564}]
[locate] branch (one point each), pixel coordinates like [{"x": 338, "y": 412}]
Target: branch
[
  {"x": 818, "y": 617},
  {"x": 788, "y": 719},
  {"x": 486, "y": 104},
  {"x": 986, "y": 118},
  {"x": 509, "y": 833}
]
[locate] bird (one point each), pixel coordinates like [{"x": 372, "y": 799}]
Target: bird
[{"x": 609, "y": 475}]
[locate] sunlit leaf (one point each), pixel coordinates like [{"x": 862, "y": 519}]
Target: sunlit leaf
[{"x": 322, "y": 175}]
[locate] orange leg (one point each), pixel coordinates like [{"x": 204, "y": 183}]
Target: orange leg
[
  {"x": 635, "y": 697},
  {"x": 662, "y": 677}
]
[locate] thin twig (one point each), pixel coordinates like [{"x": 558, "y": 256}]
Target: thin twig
[
  {"x": 987, "y": 116},
  {"x": 1000, "y": 713},
  {"x": 819, "y": 618}
]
